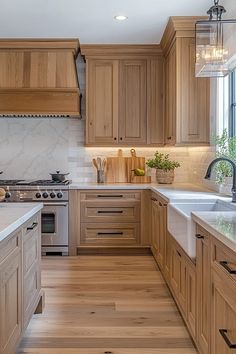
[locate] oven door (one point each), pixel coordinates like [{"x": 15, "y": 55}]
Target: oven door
[{"x": 55, "y": 224}]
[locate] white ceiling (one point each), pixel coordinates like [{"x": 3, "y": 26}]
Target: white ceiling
[{"x": 92, "y": 21}]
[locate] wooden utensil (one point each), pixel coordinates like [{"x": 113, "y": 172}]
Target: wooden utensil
[
  {"x": 133, "y": 163},
  {"x": 117, "y": 168},
  {"x": 2, "y": 194},
  {"x": 95, "y": 164},
  {"x": 99, "y": 163}
]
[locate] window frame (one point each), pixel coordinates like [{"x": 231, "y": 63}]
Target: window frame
[{"x": 232, "y": 104}]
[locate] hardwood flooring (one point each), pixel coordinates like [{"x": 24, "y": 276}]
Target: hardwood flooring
[{"x": 99, "y": 304}]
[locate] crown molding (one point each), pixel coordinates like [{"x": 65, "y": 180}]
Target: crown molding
[{"x": 120, "y": 50}]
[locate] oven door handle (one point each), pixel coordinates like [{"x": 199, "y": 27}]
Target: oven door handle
[{"x": 56, "y": 204}]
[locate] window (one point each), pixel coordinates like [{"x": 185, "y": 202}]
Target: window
[{"x": 232, "y": 104}]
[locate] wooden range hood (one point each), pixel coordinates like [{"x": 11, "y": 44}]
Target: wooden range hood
[{"x": 38, "y": 77}]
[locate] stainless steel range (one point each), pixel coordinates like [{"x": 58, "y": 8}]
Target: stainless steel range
[{"x": 55, "y": 197}]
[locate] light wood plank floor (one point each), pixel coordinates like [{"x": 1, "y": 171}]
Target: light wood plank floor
[{"x": 97, "y": 304}]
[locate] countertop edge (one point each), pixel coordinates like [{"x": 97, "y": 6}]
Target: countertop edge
[
  {"x": 224, "y": 239},
  {"x": 8, "y": 230}
]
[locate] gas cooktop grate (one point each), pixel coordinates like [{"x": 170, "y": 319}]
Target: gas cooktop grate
[{"x": 40, "y": 182}]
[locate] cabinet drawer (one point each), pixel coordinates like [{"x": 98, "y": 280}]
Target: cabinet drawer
[
  {"x": 107, "y": 212},
  {"x": 10, "y": 244},
  {"x": 110, "y": 195},
  {"x": 31, "y": 225},
  {"x": 223, "y": 260},
  {"x": 109, "y": 234}
]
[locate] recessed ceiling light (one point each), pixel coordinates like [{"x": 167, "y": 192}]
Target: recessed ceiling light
[{"x": 120, "y": 17}]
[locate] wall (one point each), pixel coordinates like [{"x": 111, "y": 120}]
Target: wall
[{"x": 32, "y": 148}]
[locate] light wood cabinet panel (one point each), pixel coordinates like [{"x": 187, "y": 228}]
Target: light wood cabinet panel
[
  {"x": 102, "y": 102},
  {"x": 187, "y": 98},
  {"x": 170, "y": 96},
  {"x": 133, "y": 102},
  {"x": 155, "y": 98},
  {"x": 193, "y": 101},
  {"x": 10, "y": 301},
  {"x": 223, "y": 327},
  {"x": 158, "y": 232},
  {"x": 191, "y": 311},
  {"x": 203, "y": 290}
]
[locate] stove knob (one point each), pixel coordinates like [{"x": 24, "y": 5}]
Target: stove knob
[
  {"x": 38, "y": 195},
  {"x": 45, "y": 195},
  {"x": 59, "y": 195},
  {"x": 52, "y": 194},
  {"x": 8, "y": 195}
]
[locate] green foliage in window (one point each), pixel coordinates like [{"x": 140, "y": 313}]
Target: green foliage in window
[{"x": 225, "y": 147}]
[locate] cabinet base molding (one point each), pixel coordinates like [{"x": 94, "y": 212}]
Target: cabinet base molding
[{"x": 114, "y": 251}]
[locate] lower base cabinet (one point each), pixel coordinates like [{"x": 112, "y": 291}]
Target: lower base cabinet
[
  {"x": 20, "y": 282},
  {"x": 223, "y": 329}
]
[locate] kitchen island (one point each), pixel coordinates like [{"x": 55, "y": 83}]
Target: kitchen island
[{"x": 20, "y": 270}]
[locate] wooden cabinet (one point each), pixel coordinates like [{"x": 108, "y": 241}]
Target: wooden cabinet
[
  {"x": 158, "y": 232},
  {"x": 187, "y": 104},
  {"x": 102, "y": 102},
  {"x": 203, "y": 290},
  {"x": 20, "y": 283},
  {"x": 133, "y": 102},
  {"x": 124, "y": 96},
  {"x": 110, "y": 218},
  {"x": 223, "y": 303},
  {"x": 31, "y": 267},
  {"x": 11, "y": 296},
  {"x": 178, "y": 277}
]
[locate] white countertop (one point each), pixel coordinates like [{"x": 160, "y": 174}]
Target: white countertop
[
  {"x": 13, "y": 215},
  {"x": 220, "y": 224},
  {"x": 170, "y": 192}
]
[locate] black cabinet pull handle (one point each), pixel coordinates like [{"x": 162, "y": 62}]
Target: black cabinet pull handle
[
  {"x": 114, "y": 138},
  {"x": 179, "y": 253},
  {"x": 169, "y": 138},
  {"x": 33, "y": 226},
  {"x": 109, "y": 196},
  {"x": 121, "y": 138},
  {"x": 224, "y": 264},
  {"x": 110, "y": 212},
  {"x": 199, "y": 236},
  {"x": 223, "y": 333},
  {"x": 110, "y": 233}
]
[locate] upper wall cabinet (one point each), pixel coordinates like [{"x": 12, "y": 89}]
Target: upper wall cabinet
[
  {"x": 124, "y": 95},
  {"x": 187, "y": 99}
]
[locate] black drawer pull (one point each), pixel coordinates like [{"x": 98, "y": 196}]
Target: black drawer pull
[
  {"x": 224, "y": 264},
  {"x": 224, "y": 332},
  {"x": 199, "y": 236},
  {"x": 33, "y": 226},
  {"x": 110, "y": 233},
  {"x": 179, "y": 253},
  {"x": 110, "y": 196},
  {"x": 110, "y": 212}
]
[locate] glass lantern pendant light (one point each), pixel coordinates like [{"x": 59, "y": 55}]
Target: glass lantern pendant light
[{"x": 215, "y": 44}]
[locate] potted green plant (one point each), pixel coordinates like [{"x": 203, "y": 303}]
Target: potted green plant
[
  {"x": 225, "y": 147},
  {"x": 164, "y": 167}
]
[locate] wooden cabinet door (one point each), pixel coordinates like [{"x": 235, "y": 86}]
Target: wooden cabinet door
[
  {"x": 133, "y": 102},
  {"x": 193, "y": 97},
  {"x": 11, "y": 302},
  {"x": 162, "y": 233},
  {"x": 170, "y": 96},
  {"x": 223, "y": 329},
  {"x": 102, "y": 102},
  {"x": 175, "y": 269},
  {"x": 155, "y": 229},
  {"x": 203, "y": 290},
  {"x": 191, "y": 298}
]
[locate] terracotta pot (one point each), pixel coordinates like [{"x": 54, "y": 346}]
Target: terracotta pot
[{"x": 165, "y": 177}]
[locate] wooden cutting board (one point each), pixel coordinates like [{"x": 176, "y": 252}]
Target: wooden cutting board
[
  {"x": 134, "y": 162},
  {"x": 116, "y": 169}
]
